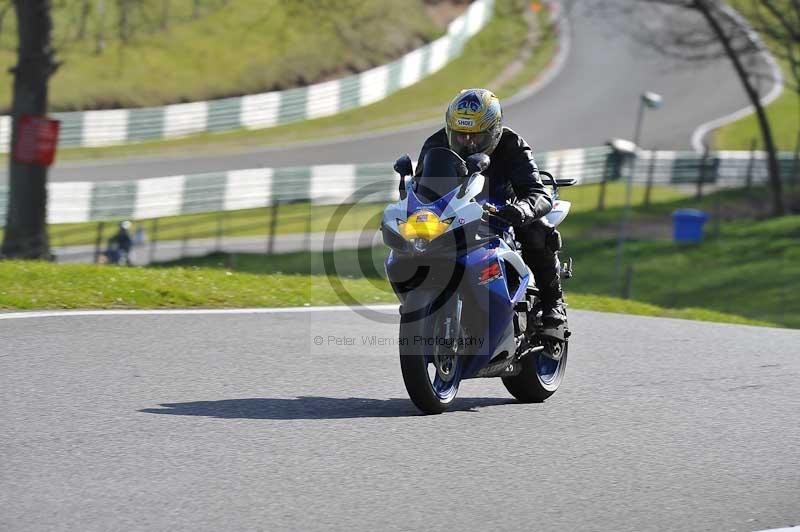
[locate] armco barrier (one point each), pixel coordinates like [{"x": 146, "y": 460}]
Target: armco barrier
[
  {"x": 339, "y": 184},
  {"x": 258, "y": 111}
]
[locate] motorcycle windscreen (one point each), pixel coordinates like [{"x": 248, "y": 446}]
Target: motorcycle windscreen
[{"x": 442, "y": 171}]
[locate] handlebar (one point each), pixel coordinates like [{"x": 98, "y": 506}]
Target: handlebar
[{"x": 491, "y": 210}]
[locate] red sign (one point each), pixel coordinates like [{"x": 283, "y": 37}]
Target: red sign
[{"x": 37, "y": 139}]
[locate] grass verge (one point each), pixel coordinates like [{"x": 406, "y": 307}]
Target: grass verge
[
  {"x": 39, "y": 285},
  {"x": 745, "y": 272},
  {"x": 750, "y": 270},
  {"x": 747, "y": 266},
  {"x": 784, "y": 119},
  {"x": 484, "y": 57}
]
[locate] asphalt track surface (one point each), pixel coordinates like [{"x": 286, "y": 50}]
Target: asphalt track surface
[
  {"x": 240, "y": 422},
  {"x": 595, "y": 97}
]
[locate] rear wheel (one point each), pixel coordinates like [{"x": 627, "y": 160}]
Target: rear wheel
[
  {"x": 539, "y": 379},
  {"x": 430, "y": 362}
]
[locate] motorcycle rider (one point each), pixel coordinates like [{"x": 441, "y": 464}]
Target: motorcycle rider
[{"x": 474, "y": 124}]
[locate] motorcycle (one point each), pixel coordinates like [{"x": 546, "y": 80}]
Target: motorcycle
[{"x": 470, "y": 307}]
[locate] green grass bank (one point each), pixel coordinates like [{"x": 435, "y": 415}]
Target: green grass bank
[
  {"x": 155, "y": 52},
  {"x": 745, "y": 273},
  {"x": 40, "y": 285},
  {"x": 485, "y": 56},
  {"x": 748, "y": 265}
]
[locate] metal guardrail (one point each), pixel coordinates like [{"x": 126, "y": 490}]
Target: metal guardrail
[
  {"x": 277, "y": 210},
  {"x": 162, "y": 239},
  {"x": 259, "y": 111},
  {"x": 73, "y": 202}
]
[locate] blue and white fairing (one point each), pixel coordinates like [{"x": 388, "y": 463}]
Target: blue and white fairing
[
  {"x": 460, "y": 210},
  {"x": 494, "y": 276}
]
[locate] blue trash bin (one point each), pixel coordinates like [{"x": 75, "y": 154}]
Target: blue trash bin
[{"x": 687, "y": 225}]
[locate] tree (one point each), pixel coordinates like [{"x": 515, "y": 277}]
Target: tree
[
  {"x": 100, "y": 29},
  {"x": 124, "y": 20},
  {"x": 724, "y": 26},
  {"x": 779, "y": 22},
  {"x": 708, "y": 29},
  {"x": 83, "y": 19},
  {"x": 26, "y": 230}
]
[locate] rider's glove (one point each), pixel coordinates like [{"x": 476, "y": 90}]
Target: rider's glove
[{"x": 512, "y": 214}]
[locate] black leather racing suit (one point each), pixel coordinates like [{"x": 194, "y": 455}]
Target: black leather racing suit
[{"x": 513, "y": 175}]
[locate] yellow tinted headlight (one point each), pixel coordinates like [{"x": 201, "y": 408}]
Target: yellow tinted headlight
[{"x": 423, "y": 224}]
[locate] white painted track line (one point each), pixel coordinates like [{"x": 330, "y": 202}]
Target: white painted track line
[{"x": 160, "y": 312}]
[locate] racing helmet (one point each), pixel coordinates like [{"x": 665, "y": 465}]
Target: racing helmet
[{"x": 474, "y": 122}]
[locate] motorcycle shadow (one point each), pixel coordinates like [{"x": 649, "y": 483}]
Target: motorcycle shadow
[{"x": 311, "y": 407}]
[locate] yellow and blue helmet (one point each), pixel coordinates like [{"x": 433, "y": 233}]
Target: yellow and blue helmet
[{"x": 474, "y": 122}]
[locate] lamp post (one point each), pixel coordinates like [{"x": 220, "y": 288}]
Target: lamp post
[{"x": 650, "y": 100}]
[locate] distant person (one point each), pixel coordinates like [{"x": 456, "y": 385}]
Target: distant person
[
  {"x": 474, "y": 124},
  {"x": 119, "y": 245}
]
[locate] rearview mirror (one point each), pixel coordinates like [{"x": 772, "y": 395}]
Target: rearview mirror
[
  {"x": 478, "y": 162},
  {"x": 403, "y": 166}
]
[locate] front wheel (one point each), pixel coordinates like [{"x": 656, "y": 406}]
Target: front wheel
[
  {"x": 539, "y": 379},
  {"x": 430, "y": 363}
]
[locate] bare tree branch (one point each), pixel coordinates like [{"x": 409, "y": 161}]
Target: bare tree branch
[
  {"x": 674, "y": 29},
  {"x": 791, "y": 28},
  {"x": 713, "y": 16},
  {"x": 779, "y": 23}
]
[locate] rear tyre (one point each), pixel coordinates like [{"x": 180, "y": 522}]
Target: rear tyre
[
  {"x": 539, "y": 379},
  {"x": 431, "y": 372}
]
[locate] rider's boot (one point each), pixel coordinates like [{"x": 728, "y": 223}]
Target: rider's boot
[
  {"x": 540, "y": 245},
  {"x": 554, "y": 315}
]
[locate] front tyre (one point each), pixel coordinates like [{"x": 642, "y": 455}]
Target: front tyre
[
  {"x": 539, "y": 379},
  {"x": 431, "y": 369}
]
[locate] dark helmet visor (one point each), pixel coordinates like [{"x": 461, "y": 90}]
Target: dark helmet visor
[{"x": 466, "y": 144}]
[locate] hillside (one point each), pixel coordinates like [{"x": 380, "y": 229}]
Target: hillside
[{"x": 155, "y": 52}]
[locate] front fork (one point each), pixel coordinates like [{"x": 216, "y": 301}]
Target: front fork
[
  {"x": 452, "y": 324},
  {"x": 444, "y": 354}
]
